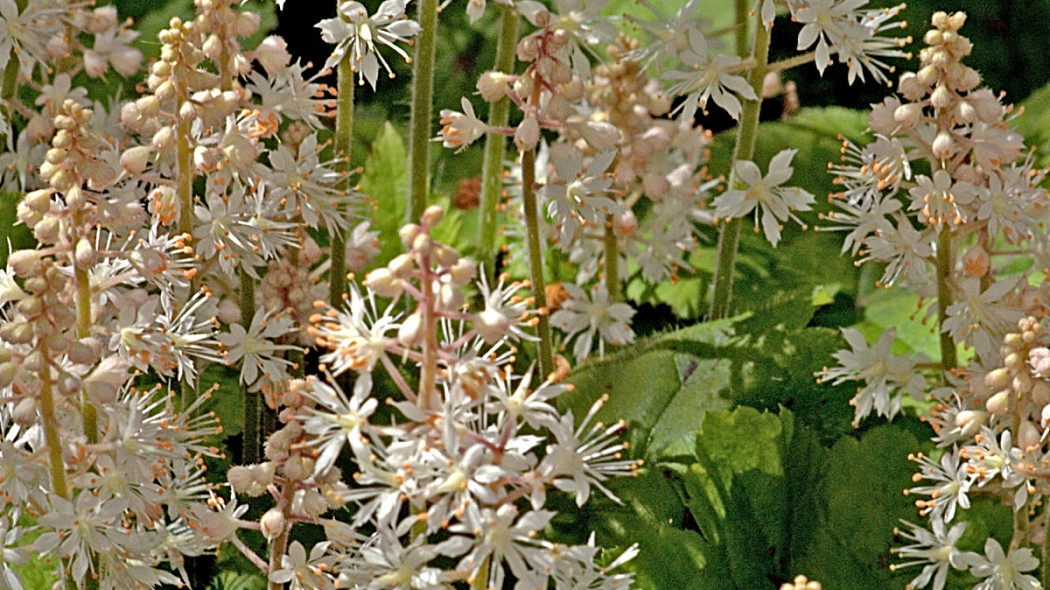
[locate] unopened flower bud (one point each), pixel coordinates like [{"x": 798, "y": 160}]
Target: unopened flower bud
[
  {"x": 163, "y": 138},
  {"x": 943, "y": 145},
  {"x": 444, "y": 255},
  {"x": 383, "y": 283},
  {"x": 408, "y": 233},
  {"x": 25, "y": 412},
  {"x": 999, "y": 404},
  {"x": 908, "y": 115},
  {"x": 970, "y": 421},
  {"x": 432, "y": 216},
  {"x": 102, "y": 384},
  {"x": 423, "y": 245},
  {"x": 134, "y": 159},
  {"x": 166, "y": 91},
  {"x": 411, "y": 330},
  {"x": 450, "y": 297},
  {"x": 213, "y": 47},
  {"x": 246, "y": 23},
  {"x": 84, "y": 254},
  {"x": 273, "y": 55},
  {"x": 1028, "y": 435},
  {"x": 1041, "y": 392},
  {"x": 461, "y": 272},
  {"x": 272, "y": 523},
  {"x": 126, "y": 61},
  {"x": 493, "y": 85},
  {"x": 85, "y": 351},
  {"x": 997, "y": 379},
  {"x": 148, "y": 106},
  {"x": 8, "y": 372},
  {"x": 528, "y": 49},
  {"x": 240, "y": 478},
  {"x": 942, "y": 98},
  {"x": 527, "y": 135},
  {"x": 401, "y": 265},
  {"x": 602, "y": 136}
]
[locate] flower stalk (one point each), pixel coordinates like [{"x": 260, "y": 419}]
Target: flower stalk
[
  {"x": 539, "y": 285},
  {"x": 747, "y": 131},
  {"x": 949, "y": 358},
  {"x": 344, "y": 127},
  {"x": 495, "y": 144},
  {"x": 422, "y": 109}
]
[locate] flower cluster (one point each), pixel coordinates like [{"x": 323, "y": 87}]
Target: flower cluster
[{"x": 944, "y": 185}]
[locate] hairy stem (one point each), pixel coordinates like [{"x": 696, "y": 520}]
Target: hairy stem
[
  {"x": 949, "y": 358},
  {"x": 495, "y": 144},
  {"x": 428, "y": 370},
  {"x": 279, "y": 545},
  {"x": 56, "y": 463},
  {"x": 729, "y": 233},
  {"x": 532, "y": 231},
  {"x": 344, "y": 129},
  {"x": 612, "y": 261},
  {"x": 422, "y": 97},
  {"x": 251, "y": 447}
]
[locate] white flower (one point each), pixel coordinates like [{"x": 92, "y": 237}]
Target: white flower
[
  {"x": 765, "y": 194},
  {"x": 885, "y": 374},
  {"x": 980, "y": 318},
  {"x": 254, "y": 348},
  {"x": 708, "y": 77},
  {"x": 584, "y": 319},
  {"x": 950, "y": 488},
  {"x": 336, "y": 419},
  {"x": 461, "y": 129},
  {"x": 1001, "y": 571},
  {"x": 934, "y": 551},
  {"x": 578, "y": 197},
  {"x": 357, "y": 335},
  {"x": 357, "y": 33},
  {"x": 938, "y": 199}
]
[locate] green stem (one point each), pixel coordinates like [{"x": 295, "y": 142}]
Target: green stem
[
  {"x": 422, "y": 97},
  {"x": 56, "y": 463},
  {"x": 612, "y": 261},
  {"x": 251, "y": 443},
  {"x": 729, "y": 234},
  {"x": 83, "y": 304},
  {"x": 792, "y": 62},
  {"x": 949, "y": 359},
  {"x": 344, "y": 133},
  {"x": 539, "y": 286},
  {"x": 184, "y": 188},
  {"x": 741, "y": 14},
  {"x": 495, "y": 144}
]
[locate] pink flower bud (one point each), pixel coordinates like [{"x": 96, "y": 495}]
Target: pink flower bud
[{"x": 943, "y": 145}]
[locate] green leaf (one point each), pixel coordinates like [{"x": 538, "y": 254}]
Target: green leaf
[
  {"x": 228, "y": 399},
  {"x": 863, "y": 500},
  {"x": 385, "y": 181},
  {"x": 228, "y": 580},
  {"x": 662, "y": 393}
]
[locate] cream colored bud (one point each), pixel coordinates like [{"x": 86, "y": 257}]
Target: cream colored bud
[
  {"x": 943, "y": 145},
  {"x": 422, "y": 245},
  {"x": 527, "y": 135},
  {"x": 273, "y": 55},
  {"x": 84, "y": 253},
  {"x": 8, "y": 372},
  {"x": 246, "y": 23},
  {"x": 432, "y": 216},
  {"x": 493, "y": 85},
  {"x": 1028, "y": 436},
  {"x": 163, "y": 139},
  {"x": 573, "y": 90},
  {"x": 1022, "y": 383},
  {"x": 135, "y": 159},
  {"x": 523, "y": 86},
  {"x": 85, "y": 351},
  {"x": 967, "y": 80},
  {"x": 1041, "y": 392},
  {"x": 933, "y": 37},
  {"x": 187, "y": 111},
  {"x": 927, "y": 76},
  {"x": 76, "y": 198},
  {"x": 166, "y": 91},
  {"x": 295, "y": 469},
  {"x": 450, "y": 297},
  {"x": 965, "y": 113},
  {"x": 942, "y": 98},
  {"x": 401, "y": 265},
  {"x": 25, "y": 413},
  {"x": 997, "y": 378},
  {"x": 940, "y": 19},
  {"x": 957, "y": 20},
  {"x": 411, "y": 331},
  {"x": 34, "y": 362},
  {"x": 908, "y": 115},
  {"x": 272, "y": 523},
  {"x": 38, "y": 200},
  {"x": 213, "y": 47},
  {"x": 999, "y": 404},
  {"x": 557, "y": 108},
  {"x": 970, "y": 421},
  {"x": 408, "y": 233},
  {"x": 528, "y": 49},
  {"x": 24, "y": 262},
  {"x": 240, "y": 478},
  {"x": 383, "y": 283},
  {"x": 445, "y": 256},
  {"x": 461, "y": 272},
  {"x": 47, "y": 230}
]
